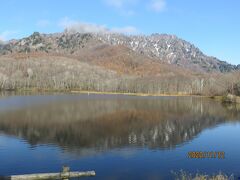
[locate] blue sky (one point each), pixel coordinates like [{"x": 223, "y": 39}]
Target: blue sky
[{"x": 212, "y": 25}]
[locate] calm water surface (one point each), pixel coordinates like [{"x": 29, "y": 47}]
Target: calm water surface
[{"x": 120, "y": 137}]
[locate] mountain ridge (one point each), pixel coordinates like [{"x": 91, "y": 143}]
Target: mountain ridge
[
  {"x": 162, "y": 47},
  {"x": 181, "y": 50}
]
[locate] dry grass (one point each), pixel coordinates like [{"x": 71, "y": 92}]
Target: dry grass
[{"x": 182, "y": 175}]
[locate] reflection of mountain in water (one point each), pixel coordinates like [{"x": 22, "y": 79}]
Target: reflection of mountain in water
[{"x": 105, "y": 123}]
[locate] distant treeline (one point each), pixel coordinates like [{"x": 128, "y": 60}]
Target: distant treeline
[{"x": 63, "y": 74}]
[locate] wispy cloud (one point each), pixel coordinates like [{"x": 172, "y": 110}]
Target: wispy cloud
[
  {"x": 128, "y": 7},
  {"x": 6, "y": 35},
  {"x": 158, "y": 5},
  {"x": 126, "y": 30},
  {"x": 121, "y": 3},
  {"x": 43, "y": 23},
  {"x": 83, "y": 27},
  {"x": 124, "y": 7},
  {"x": 116, "y": 3}
]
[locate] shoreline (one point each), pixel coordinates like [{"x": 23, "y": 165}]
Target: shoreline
[
  {"x": 33, "y": 90},
  {"x": 136, "y": 94},
  {"x": 229, "y": 98}
]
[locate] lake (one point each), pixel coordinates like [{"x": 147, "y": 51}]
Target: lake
[{"x": 120, "y": 137}]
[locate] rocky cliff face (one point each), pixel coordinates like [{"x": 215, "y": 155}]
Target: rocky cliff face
[
  {"x": 162, "y": 47},
  {"x": 170, "y": 49}
]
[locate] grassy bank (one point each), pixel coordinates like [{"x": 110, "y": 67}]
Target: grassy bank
[
  {"x": 76, "y": 91},
  {"x": 131, "y": 94},
  {"x": 229, "y": 99}
]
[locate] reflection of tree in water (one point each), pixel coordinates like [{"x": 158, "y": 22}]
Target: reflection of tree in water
[{"x": 115, "y": 122}]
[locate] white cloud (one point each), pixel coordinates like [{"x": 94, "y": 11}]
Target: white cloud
[
  {"x": 6, "y": 35},
  {"x": 82, "y": 27},
  {"x": 43, "y": 23},
  {"x": 158, "y": 5},
  {"x": 73, "y": 26}
]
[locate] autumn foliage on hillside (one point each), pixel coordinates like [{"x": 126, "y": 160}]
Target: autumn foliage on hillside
[{"x": 110, "y": 69}]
